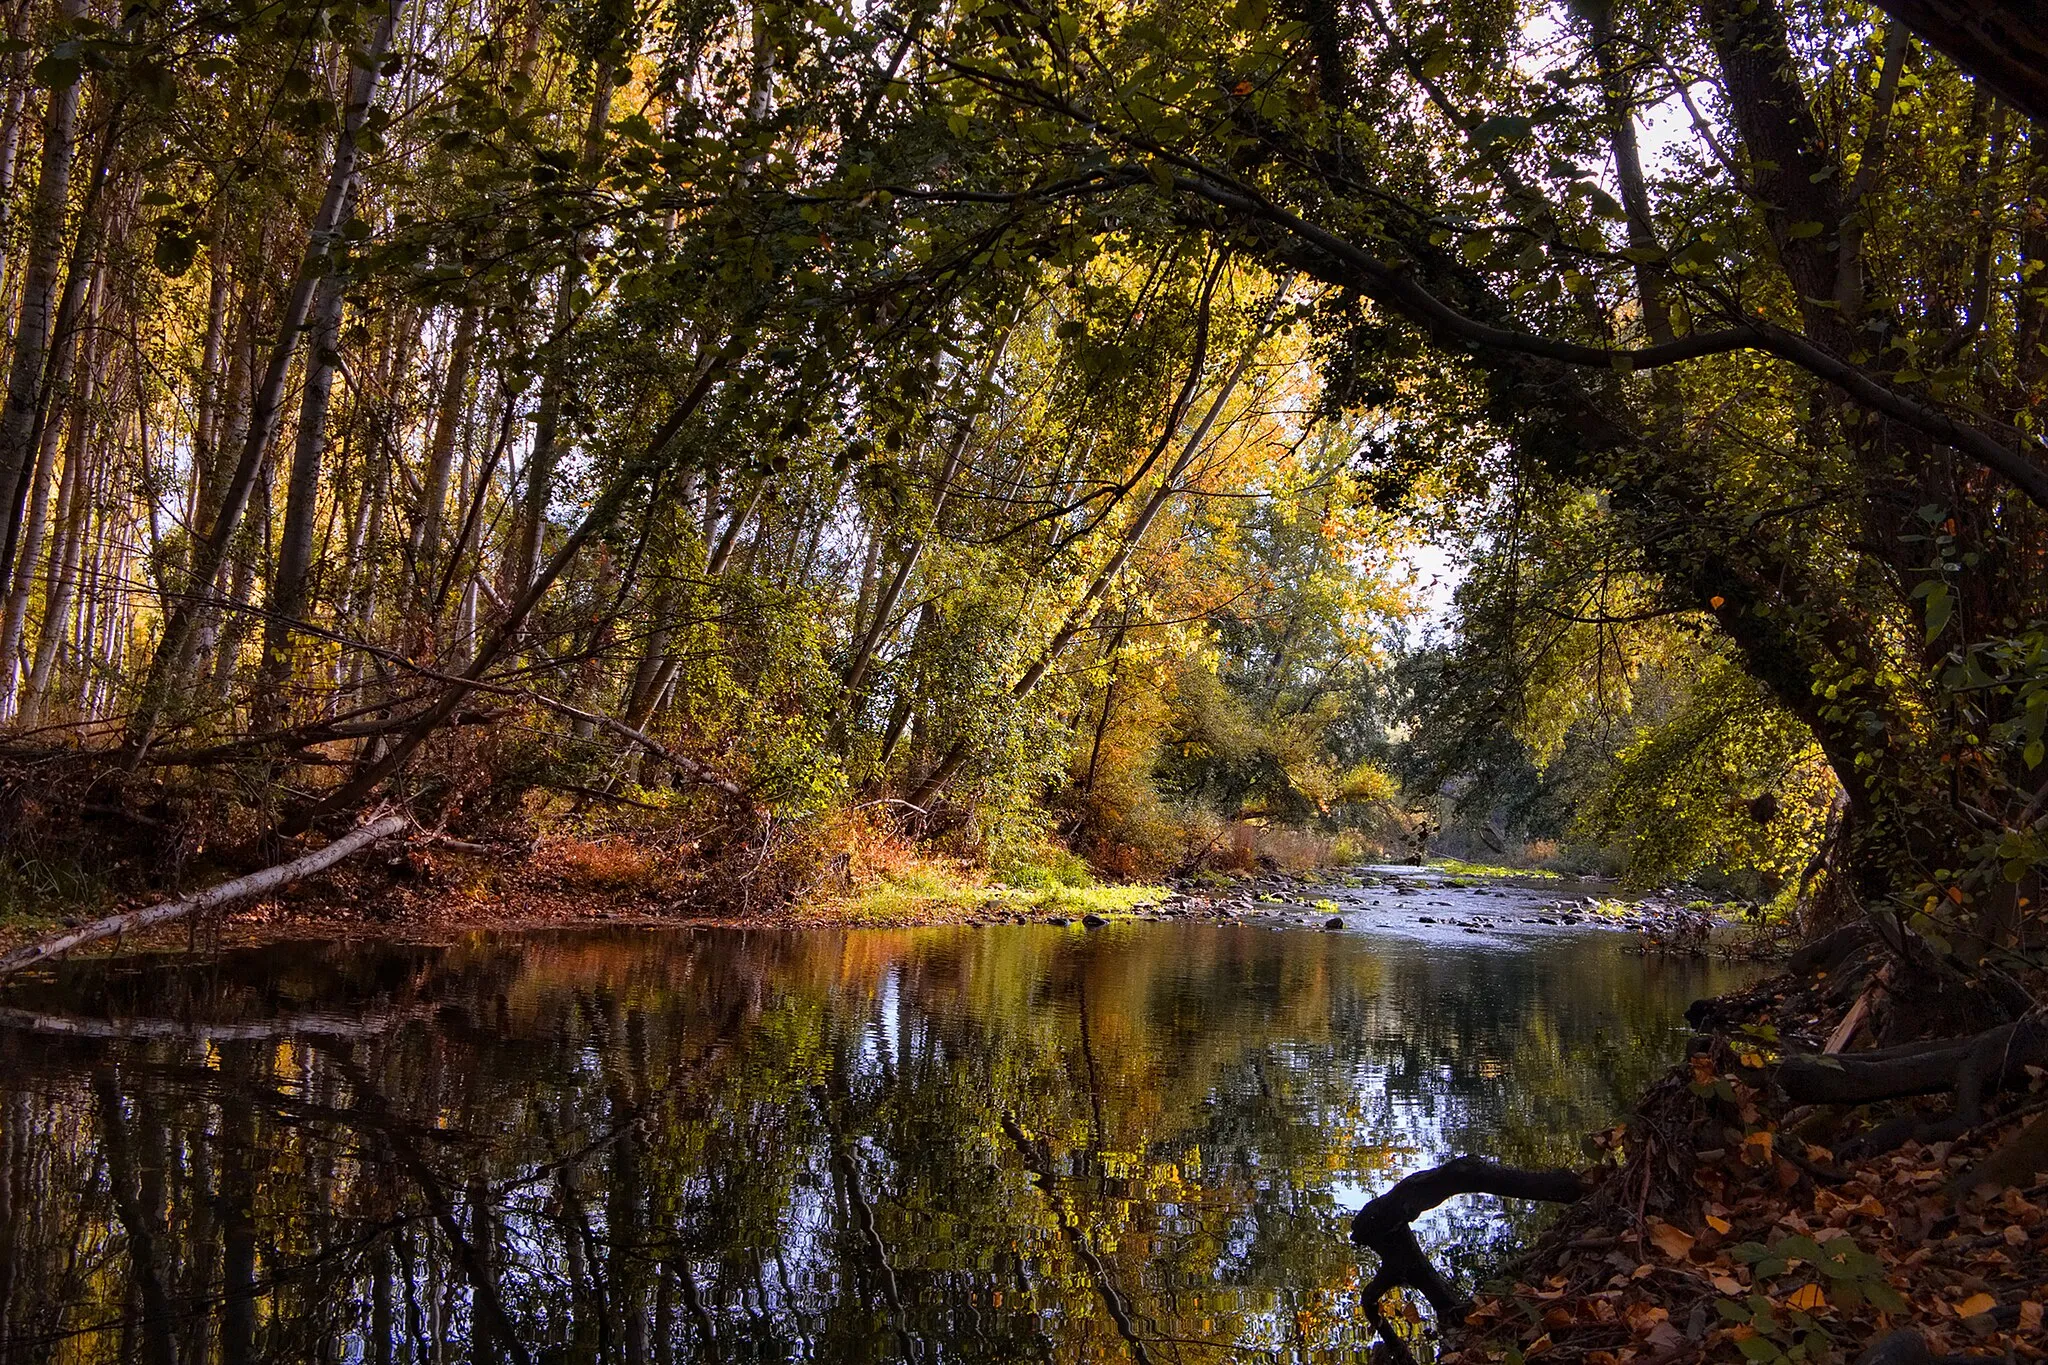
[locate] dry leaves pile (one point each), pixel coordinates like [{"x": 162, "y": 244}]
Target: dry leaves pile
[{"x": 1726, "y": 1229}]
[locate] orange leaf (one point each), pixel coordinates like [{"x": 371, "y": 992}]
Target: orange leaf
[
  {"x": 1716, "y": 601},
  {"x": 1721, "y": 1225},
  {"x": 1641, "y": 1317},
  {"x": 1975, "y": 1304},
  {"x": 1808, "y": 1297},
  {"x": 1673, "y": 1242}
]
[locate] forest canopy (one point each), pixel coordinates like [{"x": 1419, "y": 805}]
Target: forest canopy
[{"x": 1028, "y": 421}]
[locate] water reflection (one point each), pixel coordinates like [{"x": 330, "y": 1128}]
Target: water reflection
[{"x": 651, "y": 1146}]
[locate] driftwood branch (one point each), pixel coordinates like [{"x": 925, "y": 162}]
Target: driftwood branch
[
  {"x": 1383, "y": 1225},
  {"x": 241, "y": 888}
]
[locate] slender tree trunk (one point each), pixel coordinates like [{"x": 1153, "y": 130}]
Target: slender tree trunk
[
  {"x": 73, "y": 506},
  {"x": 542, "y": 460},
  {"x": 290, "y": 590},
  {"x": 11, "y": 117},
  {"x": 426, "y": 549},
  {"x": 885, "y": 607},
  {"x": 174, "y": 649},
  {"x": 1123, "y": 625},
  {"x": 206, "y": 413},
  {"x": 14, "y": 617},
  {"x": 38, "y": 294}
]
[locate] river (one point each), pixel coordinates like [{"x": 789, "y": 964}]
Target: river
[{"x": 976, "y": 1144}]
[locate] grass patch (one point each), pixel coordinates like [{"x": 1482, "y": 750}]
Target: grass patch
[
  {"x": 1458, "y": 867},
  {"x": 930, "y": 893},
  {"x": 1045, "y": 869},
  {"x": 38, "y": 896}
]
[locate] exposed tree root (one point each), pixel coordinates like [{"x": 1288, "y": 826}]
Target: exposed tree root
[
  {"x": 1383, "y": 1225},
  {"x": 1975, "y": 1068}
]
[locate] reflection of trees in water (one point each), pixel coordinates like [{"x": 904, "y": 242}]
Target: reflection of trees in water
[{"x": 645, "y": 1147}]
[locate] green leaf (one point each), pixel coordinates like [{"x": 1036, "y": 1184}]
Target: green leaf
[
  {"x": 1940, "y": 606},
  {"x": 1802, "y": 230},
  {"x": 59, "y": 70},
  {"x": 1502, "y": 128}
]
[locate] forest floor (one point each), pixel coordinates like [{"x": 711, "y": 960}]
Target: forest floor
[{"x": 1731, "y": 1225}]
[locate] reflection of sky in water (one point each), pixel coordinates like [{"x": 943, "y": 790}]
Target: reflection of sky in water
[{"x": 647, "y": 1146}]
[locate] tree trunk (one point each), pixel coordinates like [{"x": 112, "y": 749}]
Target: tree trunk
[
  {"x": 291, "y": 588},
  {"x": 885, "y": 607},
  {"x": 542, "y": 460},
  {"x": 14, "y": 617},
  {"x": 426, "y": 548},
  {"x": 38, "y": 295},
  {"x": 206, "y": 432},
  {"x": 173, "y": 653},
  {"x": 74, "y": 504},
  {"x": 16, "y": 68}
]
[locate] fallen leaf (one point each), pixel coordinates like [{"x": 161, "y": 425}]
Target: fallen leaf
[
  {"x": 1975, "y": 1304},
  {"x": 1643, "y": 1319},
  {"x": 1807, "y": 1298},
  {"x": 2030, "y": 1316},
  {"x": 1718, "y": 1224},
  {"x": 1727, "y": 1284},
  {"x": 1673, "y": 1242}
]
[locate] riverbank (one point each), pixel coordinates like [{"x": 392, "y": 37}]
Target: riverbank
[
  {"x": 1729, "y": 1223},
  {"x": 431, "y": 888}
]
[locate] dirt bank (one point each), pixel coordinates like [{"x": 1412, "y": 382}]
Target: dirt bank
[{"x": 1731, "y": 1224}]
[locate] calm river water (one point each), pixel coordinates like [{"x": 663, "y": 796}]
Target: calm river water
[{"x": 986, "y": 1144}]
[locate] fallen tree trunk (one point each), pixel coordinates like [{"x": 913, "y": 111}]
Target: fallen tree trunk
[
  {"x": 241, "y": 888},
  {"x": 1383, "y": 1226}
]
